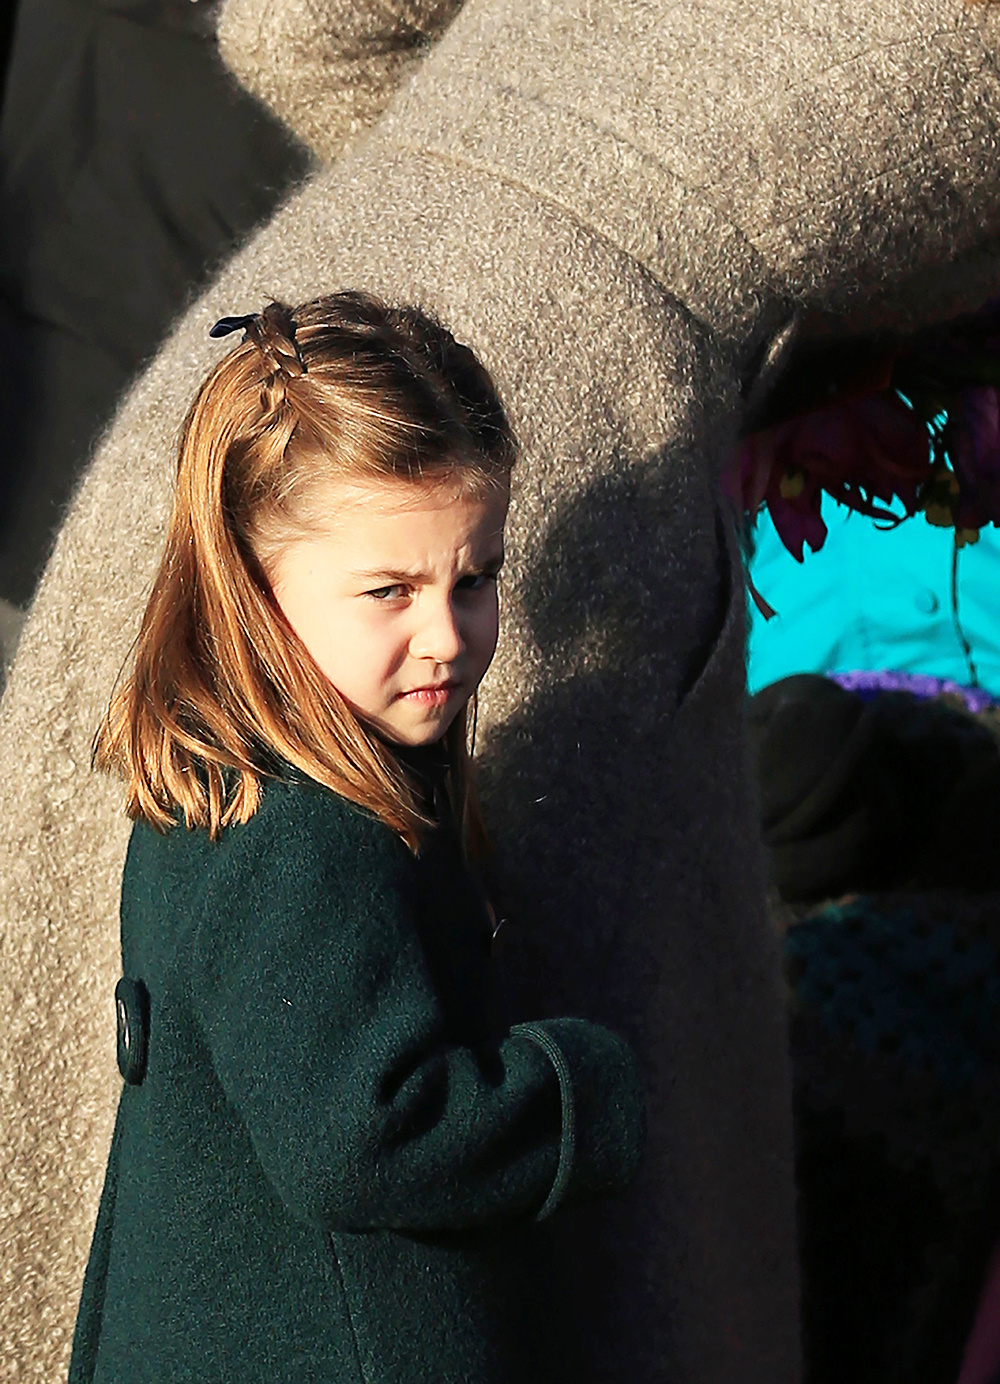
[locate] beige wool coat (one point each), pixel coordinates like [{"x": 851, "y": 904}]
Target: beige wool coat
[{"x": 622, "y": 205}]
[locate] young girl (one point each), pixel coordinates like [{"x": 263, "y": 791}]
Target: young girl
[{"x": 330, "y": 1148}]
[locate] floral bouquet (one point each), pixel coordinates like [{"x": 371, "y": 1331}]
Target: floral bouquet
[{"x": 915, "y": 426}]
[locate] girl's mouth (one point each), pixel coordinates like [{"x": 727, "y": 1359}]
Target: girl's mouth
[{"x": 436, "y": 694}]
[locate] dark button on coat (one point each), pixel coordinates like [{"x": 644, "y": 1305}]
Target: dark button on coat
[{"x": 334, "y": 1167}]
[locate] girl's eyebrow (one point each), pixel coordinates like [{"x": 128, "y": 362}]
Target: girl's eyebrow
[
  {"x": 390, "y": 574},
  {"x": 393, "y": 574}
]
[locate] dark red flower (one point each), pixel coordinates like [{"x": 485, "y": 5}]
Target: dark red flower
[
  {"x": 976, "y": 454},
  {"x": 867, "y": 449}
]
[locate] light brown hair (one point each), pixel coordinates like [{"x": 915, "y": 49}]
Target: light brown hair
[{"x": 221, "y": 692}]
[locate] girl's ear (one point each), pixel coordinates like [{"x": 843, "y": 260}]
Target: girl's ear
[{"x": 328, "y": 68}]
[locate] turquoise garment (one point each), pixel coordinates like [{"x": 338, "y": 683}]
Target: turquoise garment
[{"x": 875, "y": 599}]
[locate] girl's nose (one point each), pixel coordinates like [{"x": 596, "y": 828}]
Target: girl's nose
[{"x": 438, "y": 635}]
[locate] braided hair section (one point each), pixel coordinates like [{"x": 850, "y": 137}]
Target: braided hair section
[{"x": 272, "y": 331}]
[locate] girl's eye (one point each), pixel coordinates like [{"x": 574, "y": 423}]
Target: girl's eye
[
  {"x": 477, "y": 581},
  {"x": 387, "y": 593}
]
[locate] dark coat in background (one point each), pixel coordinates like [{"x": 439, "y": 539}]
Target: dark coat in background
[
  {"x": 623, "y": 207},
  {"x": 131, "y": 164}
]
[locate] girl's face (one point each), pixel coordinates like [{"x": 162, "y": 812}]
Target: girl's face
[{"x": 395, "y": 598}]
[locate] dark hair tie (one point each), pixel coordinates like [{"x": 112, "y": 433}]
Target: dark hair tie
[
  {"x": 273, "y": 333},
  {"x": 225, "y": 325}
]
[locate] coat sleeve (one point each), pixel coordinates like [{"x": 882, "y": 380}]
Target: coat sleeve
[{"x": 327, "y": 1036}]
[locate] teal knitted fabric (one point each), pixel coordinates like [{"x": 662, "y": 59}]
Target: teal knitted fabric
[{"x": 334, "y": 1165}]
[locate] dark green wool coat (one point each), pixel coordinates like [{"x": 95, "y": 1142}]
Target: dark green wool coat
[{"x": 335, "y": 1165}]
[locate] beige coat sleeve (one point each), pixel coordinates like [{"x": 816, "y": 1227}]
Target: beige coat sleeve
[{"x": 328, "y": 68}]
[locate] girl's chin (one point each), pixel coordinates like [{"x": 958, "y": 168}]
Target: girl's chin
[
  {"x": 404, "y": 741},
  {"x": 426, "y": 730}
]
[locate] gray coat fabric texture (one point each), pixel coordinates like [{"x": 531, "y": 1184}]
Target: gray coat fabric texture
[{"x": 621, "y": 206}]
